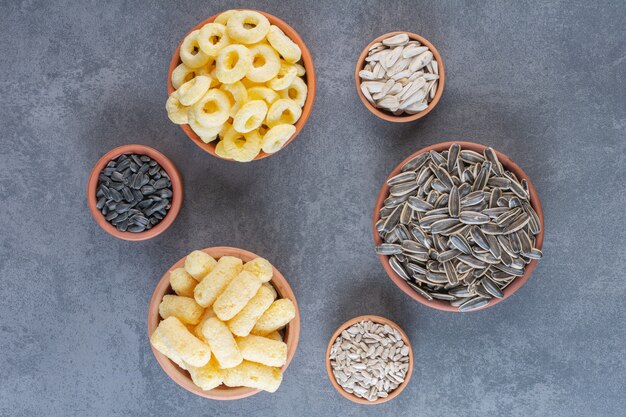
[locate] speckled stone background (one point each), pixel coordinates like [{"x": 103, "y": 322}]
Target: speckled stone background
[{"x": 542, "y": 81}]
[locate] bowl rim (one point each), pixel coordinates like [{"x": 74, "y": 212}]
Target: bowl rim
[
  {"x": 310, "y": 79},
  {"x": 535, "y": 202},
  {"x": 388, "y": 116},
  {"x": 180, "y": 376},
  {"x": 378, "y": 320},
  {"x": 164, "y": 162}
]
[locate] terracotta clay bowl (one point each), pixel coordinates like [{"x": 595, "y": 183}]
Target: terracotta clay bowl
[
  {"x": 385, "y": 115},
  {"x": 166, "y": 164},
  {"x": 180, "y": 376},
  {"x": 379, "y": 320},
  {"x": 309, "y": 78},
  {"x": 508, "y": 164}
]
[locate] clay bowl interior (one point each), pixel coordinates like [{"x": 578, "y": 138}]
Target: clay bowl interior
[
  {"x": 507, "y": 164},
  {"x": 379, "y": 320},
  {"x": 309, "y": 78},
  {"x": 385, "y": 115},
  {"x": 166, "y": 164},
  {"x": 181, "y": 377}
]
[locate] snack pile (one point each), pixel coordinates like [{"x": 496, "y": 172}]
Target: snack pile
[
  {"x": 240, "y": 82},
  {"x": 223, "y": 323}
]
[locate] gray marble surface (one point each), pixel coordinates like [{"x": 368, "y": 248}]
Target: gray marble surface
[{"x": 542, "y": 81}]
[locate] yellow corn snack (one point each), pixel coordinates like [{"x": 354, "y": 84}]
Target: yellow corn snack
[
  {"x": 244, "y": 321},
  {"x": 236, "y": 295},
  {"x": 182, "y": 283},
  {"x": 198, "y": 264},
  {"x": 182, "y": 343},
  {"x": 197, "y": 330},
  {"x": 206, "y": 377},
  {"x": 263, "y": 350},
  {"x": 222, "y": 343},
  {"x": 183, "y": 308},
  {"x": 271, "y": 288},
  {"x": 275, "y": 335},
  {"x": 275, "y": 317},
  {"x": 160, "y": 345},
  {"x": 253, "y": 375},
  {"x": 261, "y": 268},
  {"x": 207, "y": 291}
]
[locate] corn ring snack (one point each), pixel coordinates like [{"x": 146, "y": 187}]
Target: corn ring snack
[
  {"x": 261, "y": 268},
  {"x": 276, "y": 137},
  {"x": 233, "y": 63},
  {"x": 283, "y": 111},
  {"x": 284, "y": 78},
  {"x": 212, "y": 109},
  {"x": 247, "y": 26},
  {"x": 253, "y": 375},
  {"x": 237, "y": 94},
  {"x": 206, "y": 133},
  {"x": 182, "y": 283},
  {"x": 184, "y": 309},
  {"x": 275, "y": 317},
  {"x": 219, "y": 150},
  {"x": 157, "y": 342},
  {"x": 222, "y": 343},
  {"x": 185, "y": 345},
  {"x": 250, "y": 116},
  {"x": 265, "y": 63},
  {"x": 249, "y": 84},
  {"x": 287, "y": 48},
  {"x": 300, "y": 70},
  {"x": 236, "y": 295},
  {"x": 207, "y": 377},
  {"x": 223, "y": 17},
  {"x": 275, "y": 335},
  {"x": 263, "y": 350},
  {"x": 175, "y": 110},
  {"x": 212, "y": 38},
  {"x": 296, "y": 91},
  {"x": 244, "y": 321},
  {"x": 198, "y": 264},
  {"x": 263, "y": 93},
  {"x": 182, "y": 74},
  {"x": 190, "y": 52},
  {"x": 207, "y": 291},
  {"x": 242, "y": 147},
  {"x": 193, "y": 90}
]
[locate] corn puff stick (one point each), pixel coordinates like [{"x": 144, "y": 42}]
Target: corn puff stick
[
  {"x": 183, "y": 308},
  {"x": 222, "y": 343},
  {"x": 260, "y": 349},
  {"x": 207, "y": 291},
  {"x": 207, "y": 377},
  {"x": 179, "y": 340},
  {"x": 198, "y": 264},
  {"x": 244, "y": 321},
  {"x": 236, "y": 295},
  {"x": 160, "y": 345},
  {"x": 275, "y": 335},
  {"x": 197, "y": 331},
  {"x": 275, "y": 317},
  {"x": 182, "y": 283},
  {"x": 253, "y": 375},
  {"x": 261, "y": 268}
]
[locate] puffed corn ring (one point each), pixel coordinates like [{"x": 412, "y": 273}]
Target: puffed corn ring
[
  {"x": 242, "y": 147},
  {"x": 250, "y": 116},
  {"x": 263, "y": 93},
  {"x": 233, "y": 63},
  {"x": 190, "y": 52},
  {"x": 287, "y": 48},
  {"x": 247, "y": 26},
  {"x": 225, "y": 128},
  {"x": 220, "y": 151},
  {"x": 175, "y": 110},
  {"x": 250, "y": 84},
  {"x": 212, "y": 109},
  {"x": 182, "y": 74},
  {"x": 276, "y": 137},
  {"x": 223, "y": 18},
  {"x": 283, "y": 111},
  {"x": 193, "y": 90},
  {"x": 265, "y": 63},
  {"x": 206, "y": 133},
  {"x": 237, "y": 94},
  {"x": 284, "y": 78},
  {"x": 212, "y": 38},
  {"x": 297, "y": 91},
  {"x": 300, "y": 68}
]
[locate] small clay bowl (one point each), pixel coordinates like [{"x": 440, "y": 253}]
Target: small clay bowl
[
  {"x": 166, "y": 164},
  {"x": 309, "y": 78},
  {"x": 508, "y": 164},
  {"x": 180, "y": 376},
  {"x": 385, "y": 115},
  {"x": 380, "y": 320}
]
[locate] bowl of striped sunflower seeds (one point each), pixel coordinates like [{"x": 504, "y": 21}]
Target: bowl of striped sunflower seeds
[{"x": 458, "y": 226}]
